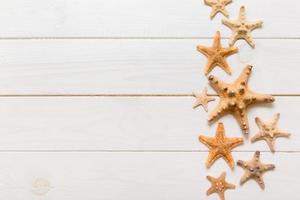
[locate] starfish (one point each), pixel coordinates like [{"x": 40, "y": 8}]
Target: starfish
[
  {"x": 202, "y": 99},
  {"x": 235, "y": 98},
  {"x": 254, "y": 169},
  {"x": 218, "y": 6},
  {"x": 216, "y": 55},
  {"x": 241, "y": 28},
  {"x": 220, "y": 146},
  {"x": 269, "y": 132},
  {"x": 219, "y": 185}
]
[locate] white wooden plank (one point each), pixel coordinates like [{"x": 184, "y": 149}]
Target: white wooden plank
[
  {"x": 123, "y": 176},
  {"x": 139, "y": 18},
  {"x": 122, "y": 124},
  {"x": 138, "y": 66}
]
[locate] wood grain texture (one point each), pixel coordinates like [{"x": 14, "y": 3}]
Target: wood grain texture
[
  {"x": 138, "y": 66},
  {"x": 139, "y": 18},
  {"x": 123, "y": 176},
  {"x": 128, "y": 124}
]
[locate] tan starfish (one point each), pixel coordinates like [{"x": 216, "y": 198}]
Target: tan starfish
[
  {"x": 216, "y": 55},
  {"x": 202, "y": 99},
  {"x": 219, "y": 185},
  {"x": 218, "y": 6},
  {"x": 220, "y": 146},
  {"x": 269, "y": 132},
  {"x": 235, "y": 98},
  {"x": 254, "y": 169},
  {"x": 241, "y": 28}
]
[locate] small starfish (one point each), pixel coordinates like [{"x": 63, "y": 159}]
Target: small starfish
[
  {"x": 235, "y": 98},
  {"x": 254, "y": 169},
  {"x": 241, "y": 28},
  {"x": 218, "y": 6},
  {"x": 219, "y": 185},
  {"x": 202, "y": 99},
  {"x": 220, "y": 146},
  {"x": 269, "y": 132},
  {"x": 216, "y": 55}
]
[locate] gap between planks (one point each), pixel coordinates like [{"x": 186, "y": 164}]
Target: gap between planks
[
  {"x": 135, "y": 38},
  {"x": 121, "y": 95}
]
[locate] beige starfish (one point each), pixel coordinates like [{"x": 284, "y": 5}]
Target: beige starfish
[
  {"x": 220, "y": 146},
  {"x": 254, "y": 169},
  {"x": 202, "y": 99},
  {"x": 241, "y": 28},
  {"x": 216, "y": 55},
  {"x": 219, "y": 185},
  {"x": 269, "y": 132},
  {"x": 218, "y": 6},
  {"x": 235, "y": 98}
]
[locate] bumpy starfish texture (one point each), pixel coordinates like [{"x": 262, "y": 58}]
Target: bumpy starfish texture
[
  {"x": 241, "y": 28},
  {"x": 269, "y": 132},
  {"x": 235, "y": 98},
  {"x": 202, "y": 99},
  {"x": 216, "y": 55},
  {"x": 219, "y": 185},
  {"x": 218, "y": 6},
  {"x": 220, "y": 146},
  {"x": 254, "y": 169}
]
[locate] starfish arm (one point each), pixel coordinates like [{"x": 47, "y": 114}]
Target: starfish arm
[
  {"x": 210, "y": 191},
  {"x": 223, "y": 176},
  {"x": 234, "y": 142},
  {"x": 260, "y": 181},
  {"x": 213, "y": 13},
  {"x": 204, "y": 50},
  {"x": 271, "y": 144},
  {"x": 233, "y": 38},
  {"x": 259, "y": 123},
  {"x": 221, "y": 195},
  {"x": 254, "y": 25},
  {"x": 268, "y": 167},
  {"x": 212, "y": 157},
  {"x": 229, "y": 159},
  {"x": 224, "y": 12},
  {"x": 208, "y": 141},
  {"x": 249, "y": 40},
  {"x": 227, "y": 2},
  {"x": 245, "y": 178},
  {"x": 216, "y": 84},
  {"x": 242, "y": 119},
  {"x": 217, "y": 40},
  {"x": 229, "y": 51},
  {"x": 242, "y": 164},
  {"x": 280, "y": 133},
  {"x": 224, "y": 65},
  {"x": 229, "y": 23},
  {"x": 256, "y": 156},
  {"x": 257, "y": 137},
  {"x": 261, "y": 98},
  {"x": 209, "y": 66},
  {"x": 217, "y": 112},
  {"x": 220, "y": 134},
  {"x": 275, "y": 119},
  {"x": 244, "y": 75},
  {"x": 229, "y": 186},
  {"x": 209, "y": 2},
  {"x": 211, "y": 179},
  {"x": 242, "y": 14}
]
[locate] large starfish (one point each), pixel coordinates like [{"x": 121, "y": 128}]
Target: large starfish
[
  {"x": 254, "y": 169},
  {"x": 241, "y": 28},
  {"x": 269, "y": 132},
  {"x": 220, "y": 146},
  {"x": 235, "y": 98},
  {"x": 202, "y": 99},
  {"x": 218, "y": 6},
  {"x": 216, "y": 55},
  {"x": 219, "y": 185}
]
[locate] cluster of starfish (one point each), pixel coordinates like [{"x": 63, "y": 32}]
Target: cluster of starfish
[{"x": 235, "y": 99}]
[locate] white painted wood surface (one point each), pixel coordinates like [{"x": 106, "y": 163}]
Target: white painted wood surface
[
  {"x": 139, "y": 18},
  {"x": 128, "y": 123},
  {"x": 78, "y": 144}
]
